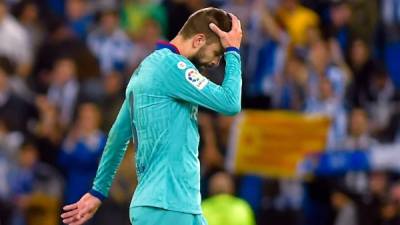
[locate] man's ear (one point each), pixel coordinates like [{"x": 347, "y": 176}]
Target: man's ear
[{"x": 199, "y": 40}]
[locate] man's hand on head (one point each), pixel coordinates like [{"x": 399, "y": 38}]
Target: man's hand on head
[{"x": 232, "y": 38}]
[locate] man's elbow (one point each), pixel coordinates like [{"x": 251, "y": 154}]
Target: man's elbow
[{"x": 233, "y": 109}]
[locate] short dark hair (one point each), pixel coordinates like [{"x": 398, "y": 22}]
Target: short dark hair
[{"x": 199, "y": 22}]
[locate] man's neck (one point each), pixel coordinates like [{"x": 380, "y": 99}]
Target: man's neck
[{"x": 182, "y": 45}]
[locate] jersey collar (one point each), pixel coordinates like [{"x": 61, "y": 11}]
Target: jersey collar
[{"x": 166, "y": 44}]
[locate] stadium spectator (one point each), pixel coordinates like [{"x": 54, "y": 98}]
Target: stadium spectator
[
  {"x": 23, "y": 181},
  {"x": 346, "y": 209},
  {"x": 14, "y": 42},
  {"x": 291, "y": 87},
  {"x": 298, "y": 20},
  {"x": 327, "y": 104},
  {"x": 79, "y": 17},
  {"x": 223, "y": 208},
  {"x": 358, "y": 136},
  {"x": 340, "y": 15},
  {"x": 394, "y": 192},
  {"x": 110, "y": 44},
  {"x": 64, "y": 88},
  {"x": 9, "y": 141},
  {"x": 390, "y": 208},
  {"x": 9, "y": 146},
  {"x": 268, "y": 43},
  {"x": 392, "y": 133},
  {"x": 364, "y": 19},
  {"x": 81, "y": 152},
  {"x": 15, "y": 112},
  {"x": 48, "y": 131},
  {"x": 27, "y": 13},
  {"x": 390, "y": 214},
  {"x": 361, "y": 64},
  {"x": 17, "y": 83},
  {"x": 321, "y": 66},
  {"x": 382, "y": 99},
  {"x": 61, "y": 43},
  {"x": 391, "y": 34},
  {"x": 372, "y": 202},
  {"x": 358, "y": 139},
  {"x": 36, "y": 188}
]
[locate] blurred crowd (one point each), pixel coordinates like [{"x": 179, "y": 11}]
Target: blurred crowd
[{"x": 64, "y": 65}]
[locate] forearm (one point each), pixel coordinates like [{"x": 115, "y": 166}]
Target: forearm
[
  {"x": 224, "y": 99},
  {"x": 232, "y": 84},
  {"x": 108, "y": 166},
  {"x": 114, "y": 151}
]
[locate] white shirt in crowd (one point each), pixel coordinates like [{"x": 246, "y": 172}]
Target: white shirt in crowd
[{"x": 14, "y": 41}]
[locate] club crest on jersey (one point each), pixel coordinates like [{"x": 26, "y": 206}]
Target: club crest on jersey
[
  {"x": 181, "y": 65},
  {"x": 195, "y": 78}
]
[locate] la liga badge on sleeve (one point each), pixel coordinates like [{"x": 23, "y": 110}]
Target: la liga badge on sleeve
[{"x": 195, "y": 78}]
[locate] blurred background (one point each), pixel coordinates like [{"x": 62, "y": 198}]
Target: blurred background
[{"x": 64, "y": 65}]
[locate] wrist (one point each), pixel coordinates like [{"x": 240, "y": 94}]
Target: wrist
[
  {"x": 232, "y": 48},
  {"x": 97, "y": 194}
]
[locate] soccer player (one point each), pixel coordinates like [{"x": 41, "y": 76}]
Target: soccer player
[{"x": 160, "y": 114}]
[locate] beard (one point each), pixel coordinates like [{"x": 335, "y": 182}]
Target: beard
[{"x": 196, "y": 59}]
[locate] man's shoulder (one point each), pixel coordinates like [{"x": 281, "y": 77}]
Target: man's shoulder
[
  {"x": 169, "y": 61},
  {"x": 166, "y": 61}
]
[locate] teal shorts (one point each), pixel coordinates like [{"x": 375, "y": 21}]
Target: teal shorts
[{"x": 158, "y": 216}]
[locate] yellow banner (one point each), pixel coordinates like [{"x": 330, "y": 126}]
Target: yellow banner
[{"x": 272, "y": 143}]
